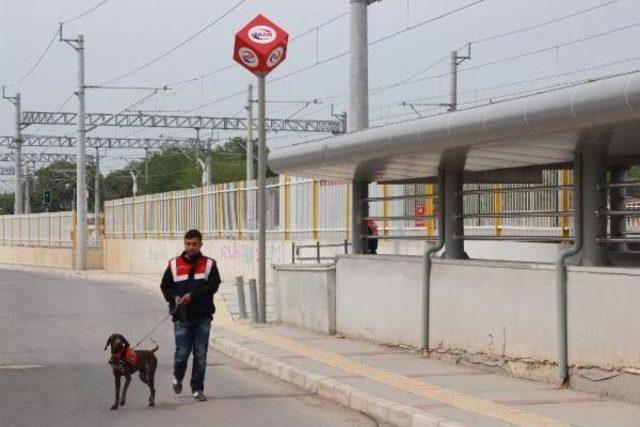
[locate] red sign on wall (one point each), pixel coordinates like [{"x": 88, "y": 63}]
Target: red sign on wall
[
  {"x": 260, "y": 46},
  {"x": 420, "y": 211}
]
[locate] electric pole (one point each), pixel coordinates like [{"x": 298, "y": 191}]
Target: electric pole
[
  {"x": 27, "y": 202},
  {"x": 455, "y": 61},
  {"x": 96, "y": 189},
  {"x": 249, "y": 151},
  {"x": 249, "y": 148},
  {"x": 81, "y": 199},
  {"x": 209, "y": 160},
  {"x": 17, "y": 146}
]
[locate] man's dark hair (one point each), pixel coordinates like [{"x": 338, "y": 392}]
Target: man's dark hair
[{"x": 193, "y": 234}]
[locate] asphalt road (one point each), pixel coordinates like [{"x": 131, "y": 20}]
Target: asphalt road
[{"x": 54, "y": 371}]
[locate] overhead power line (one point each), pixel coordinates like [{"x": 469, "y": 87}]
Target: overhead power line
[
  {"x": 518, "y": 56},
  {"x": 426, "y": 21},
  {"x": 232, "y": 65},
  {"x": 87, "y": 12},
  {"x": 345, "y": 53},
  {"x": 36, "y": 63},
  {"x": 50, "y": 44},
  {"x": 410, "y": 79},
  {"x": 179, "y": 45},
  {"x": 545, "y": 23}
]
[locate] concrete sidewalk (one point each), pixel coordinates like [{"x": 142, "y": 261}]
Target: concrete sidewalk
[{"x": 395, "y": 386}]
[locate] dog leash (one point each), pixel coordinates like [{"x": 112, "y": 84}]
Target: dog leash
[{"x": 152, "y": 331}]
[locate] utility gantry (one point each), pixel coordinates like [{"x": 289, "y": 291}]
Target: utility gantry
[
  {"x": 107, "y": 142},
  {"x": 43, "y": 157},
  {"x": 94, "y": 120}
]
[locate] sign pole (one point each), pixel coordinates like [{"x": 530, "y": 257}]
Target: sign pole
[
  {"x": 262, "y": 201},
  {"x": 260, "y": 46}
]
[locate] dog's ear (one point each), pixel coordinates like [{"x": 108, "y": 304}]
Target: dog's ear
[{"x": 108, "y": 342}]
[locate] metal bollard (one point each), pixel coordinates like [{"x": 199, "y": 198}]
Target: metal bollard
[
  {"x": 253, "y": 293},
  {"x": 242, "y": 304},
  {"x": 263, "y": 304}
]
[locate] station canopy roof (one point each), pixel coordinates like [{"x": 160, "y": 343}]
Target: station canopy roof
[{"x": 544, "y": 129}]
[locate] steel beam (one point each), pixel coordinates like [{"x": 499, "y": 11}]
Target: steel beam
[
  {"x": 174, "y": 121},
  {"x": 106, "y": 142},
  {"x": 42, "y": 157}
]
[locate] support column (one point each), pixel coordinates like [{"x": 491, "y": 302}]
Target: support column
[
  {"x": 454, "y": 223},
  {"x": 618, "y": 224},
  {"x": 358, "y": 117},
  {"x": 359, "y": 211},
  {"x": 594, "y": 170}
]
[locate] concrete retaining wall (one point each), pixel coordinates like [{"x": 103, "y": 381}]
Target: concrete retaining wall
[
  {"x": 234, "y": 257},
  {"x": 305, "y": 296},
  {"x": 237, "y": 257},
  {"x": 502, "y": 309},
  {"x": 47, "y": 257}
]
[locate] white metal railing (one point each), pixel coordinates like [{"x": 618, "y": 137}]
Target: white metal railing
[
  {"x": 300, "y": 209},
  {"x": 52, "y": 229},
  {"x": 45, "y": 229}
]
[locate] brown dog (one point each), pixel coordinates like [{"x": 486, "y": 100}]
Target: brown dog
[{"x": 125, "y": 361}]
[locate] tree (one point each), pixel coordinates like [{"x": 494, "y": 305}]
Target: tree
[
  {"x": 633, "y": 174},
  {"x": 237, "y": 146},
  {"x": 179, "y": 169},
  {"x": 6, "y": 204},
  {"x": 60, "y": 179}
]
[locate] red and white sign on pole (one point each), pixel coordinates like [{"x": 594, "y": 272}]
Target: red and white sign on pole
[{"x": 260, "y": 46}]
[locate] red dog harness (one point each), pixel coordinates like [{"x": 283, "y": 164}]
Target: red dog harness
[{"x": 128, "y": 355}]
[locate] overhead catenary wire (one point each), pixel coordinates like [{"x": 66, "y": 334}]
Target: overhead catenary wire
[
  {"x": 179, "y": 45},
  {"x": 85, "y": 13},
  {"x": 343, "y": 54},
  {"x": 432, "y": 65},
  {"x": 544, "y": 23},
  {"x": 232, "y": 65},
  {"x": 51, "y": 42}
]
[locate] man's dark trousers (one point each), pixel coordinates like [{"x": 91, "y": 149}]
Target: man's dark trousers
[{"x": 192, "y": 335}]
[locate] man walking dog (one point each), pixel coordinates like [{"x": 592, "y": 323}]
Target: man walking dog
[{"x": 188, "y": 285}]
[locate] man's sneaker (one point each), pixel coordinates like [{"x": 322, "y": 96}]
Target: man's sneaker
[
  {"x": 198, "y": 395},
  {"x": 177, "y": 386}
]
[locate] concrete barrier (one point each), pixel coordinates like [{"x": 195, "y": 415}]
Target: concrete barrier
[
  {"x": 48, "y": 257},
  {"x": 378, "y": 298},
  {"x": 234, "y": 257},
  {"x": 305, "y": 296},
  {"x": 501, "y": 310}
]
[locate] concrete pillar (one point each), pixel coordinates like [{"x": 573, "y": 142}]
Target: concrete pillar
[
  {"x": 358, "y": 117},
  {"x": 594, "y": 168},
  {"x": 618, "y": 224},
  {"x": 359, "y": 211},
  {"x": 453, "y": 207}
]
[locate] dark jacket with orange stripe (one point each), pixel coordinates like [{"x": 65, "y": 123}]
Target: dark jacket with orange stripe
[{"x": 198, "y": 276}]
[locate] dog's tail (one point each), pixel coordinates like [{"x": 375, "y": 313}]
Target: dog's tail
[{"x": 155, "y": 349}]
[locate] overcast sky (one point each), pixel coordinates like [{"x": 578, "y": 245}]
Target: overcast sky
[{"x": 124, "y": 34}]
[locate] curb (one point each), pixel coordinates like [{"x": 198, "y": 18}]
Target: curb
[{"x": 384, "y": 410}]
